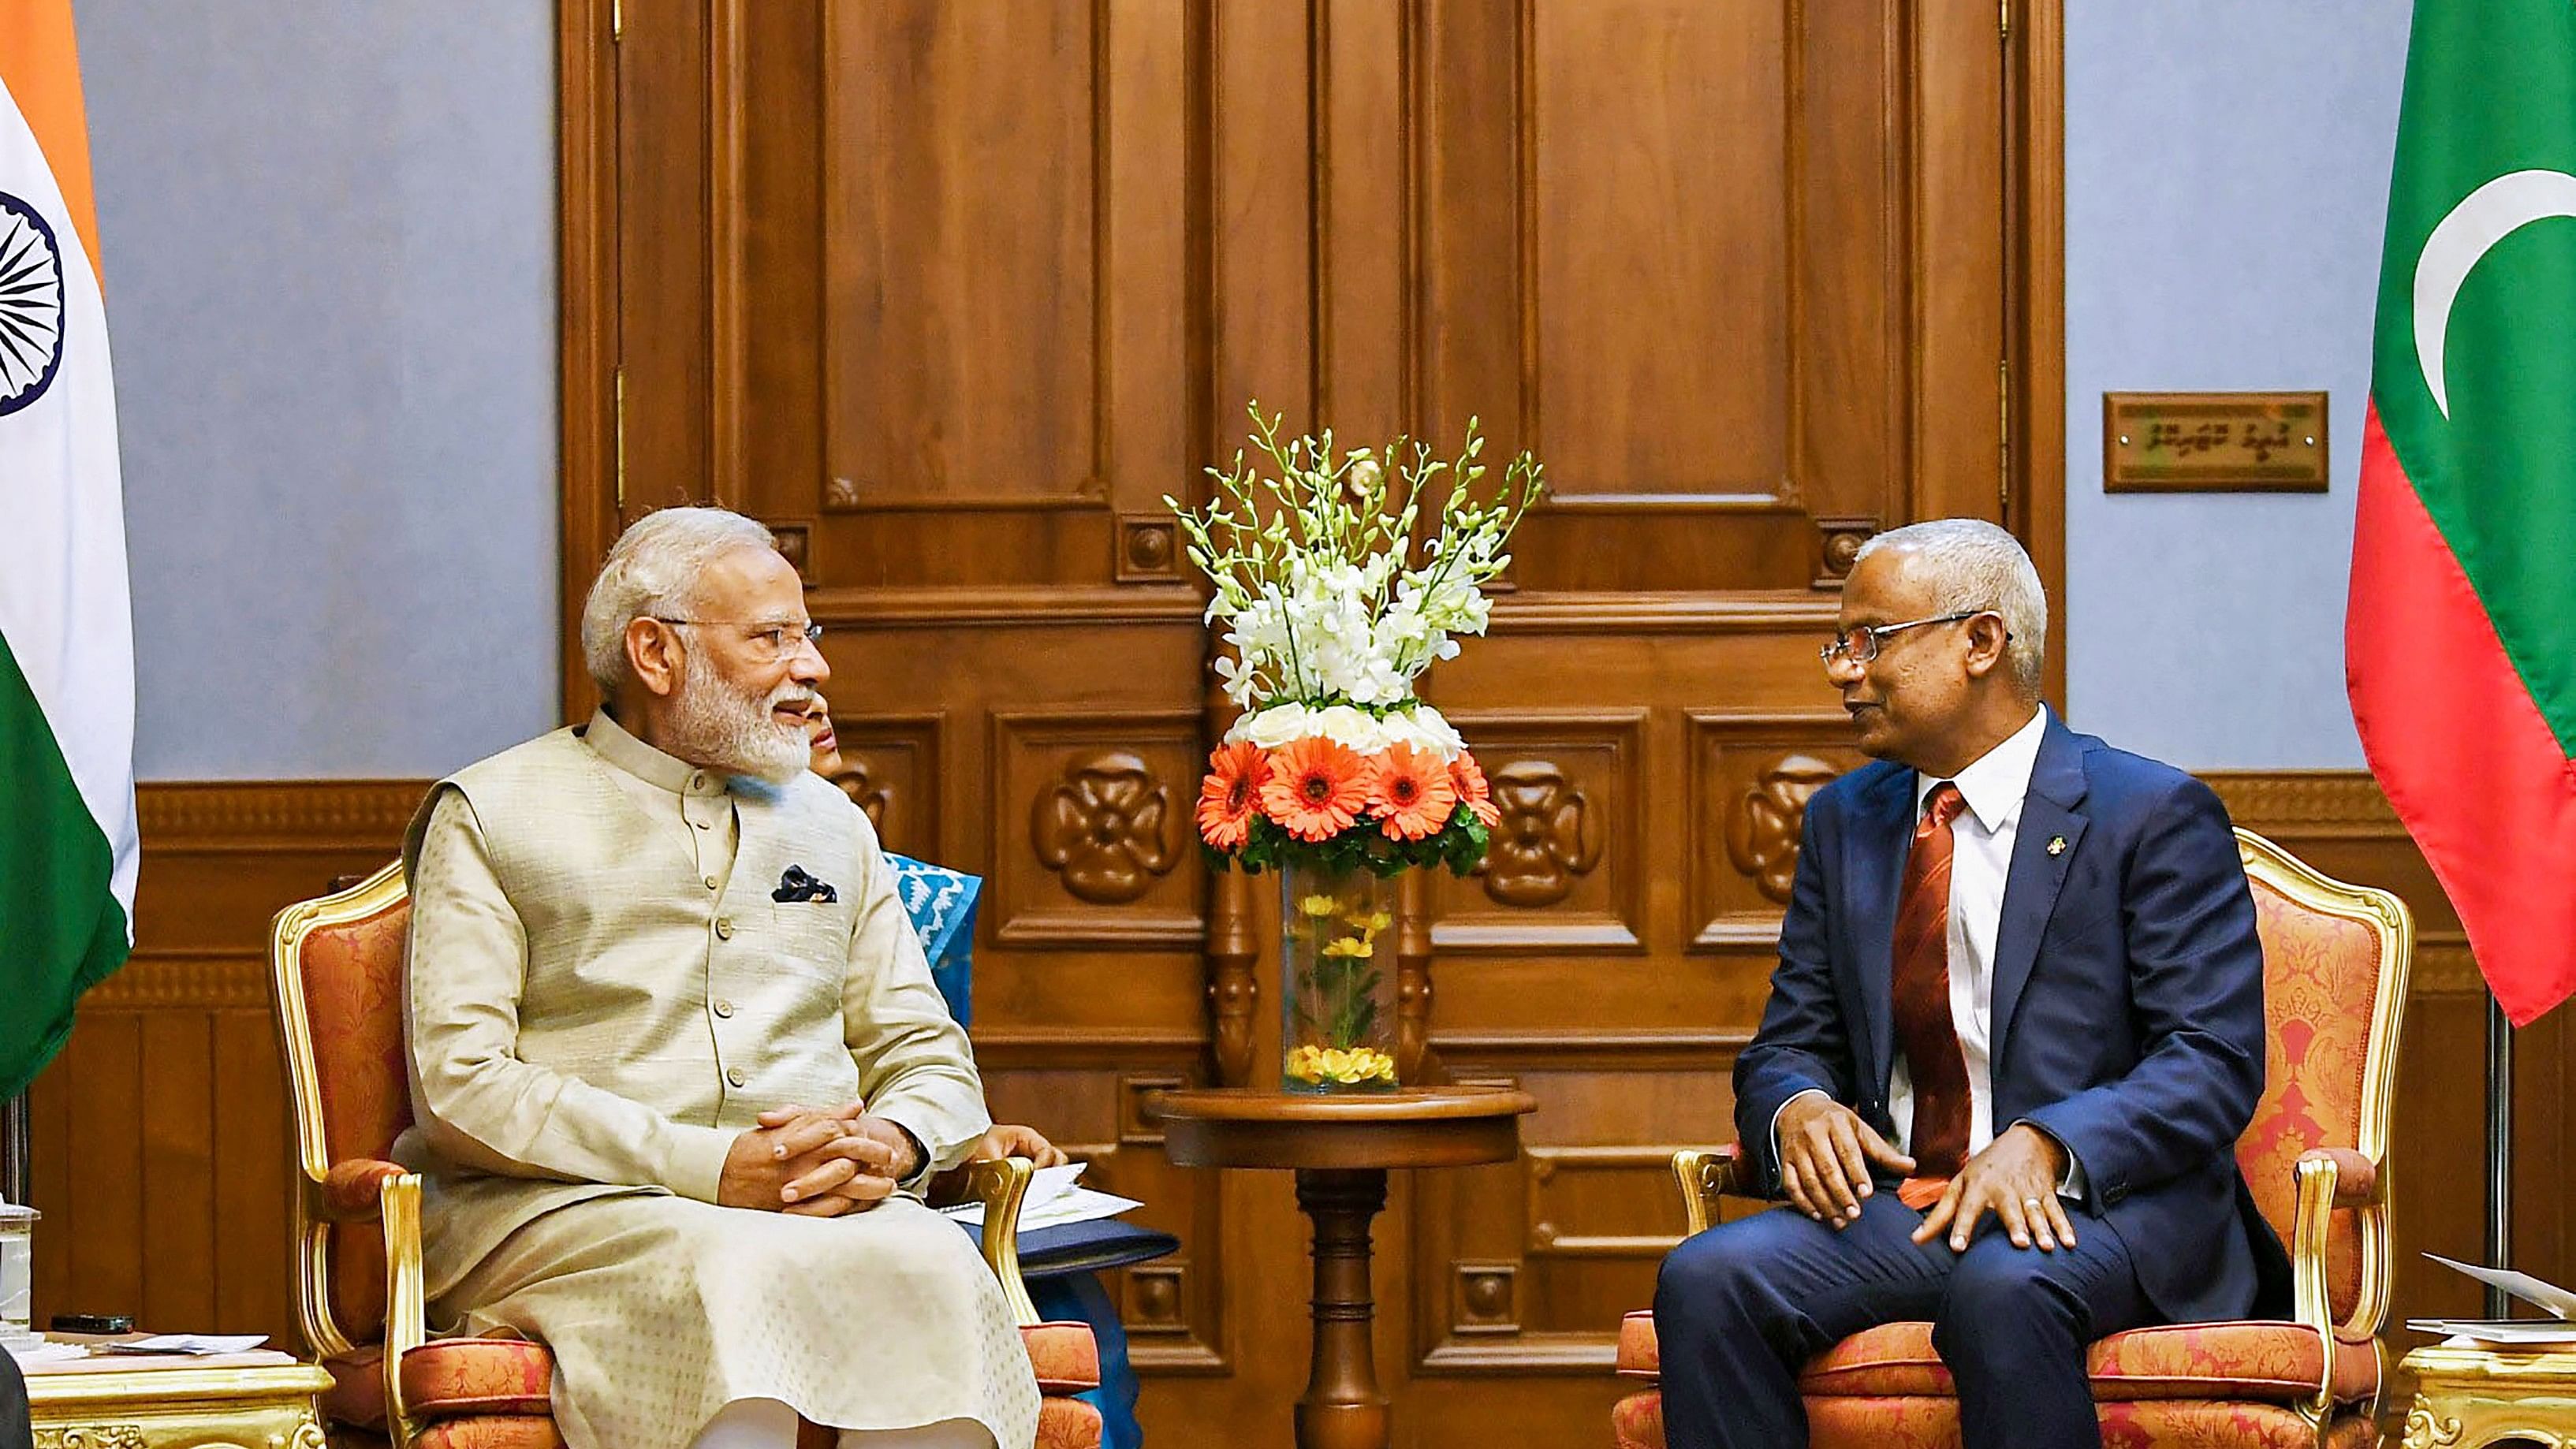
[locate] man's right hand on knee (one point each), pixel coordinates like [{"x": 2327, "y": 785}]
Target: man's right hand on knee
[{"x": 1826, "y": 1152}]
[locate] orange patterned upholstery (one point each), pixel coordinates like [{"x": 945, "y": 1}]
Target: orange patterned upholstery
[
  {"x": 1065, "y": 1355},
  {"x": 2272, "y": 1362},
  {"x": 2319, "y": 976},
  {"x": 2334, "y": 967},
  {"x": 493, "y": 1431},
  {"x": 445, "y": 1378},
  {"x": 1067, "y": 1424},
  {"x": 337, "y": 979},
  {"x": 352, "y": 978}
]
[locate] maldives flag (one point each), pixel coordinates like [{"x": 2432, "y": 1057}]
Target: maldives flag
[{"x": 2460, "y": 643}]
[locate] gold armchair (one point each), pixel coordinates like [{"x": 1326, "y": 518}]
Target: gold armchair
[
  {"x": 2335, "y": 959},
  {"x": 336, "y": 967}
]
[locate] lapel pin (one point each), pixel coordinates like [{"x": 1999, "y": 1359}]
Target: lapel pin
[{"x": 2057, "y": 845}]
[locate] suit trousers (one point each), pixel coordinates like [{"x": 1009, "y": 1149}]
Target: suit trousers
[{"x": 1740, "y": 1309}]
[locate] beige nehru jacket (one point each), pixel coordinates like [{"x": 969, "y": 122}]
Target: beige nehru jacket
[{"x": 603, "y": 992}]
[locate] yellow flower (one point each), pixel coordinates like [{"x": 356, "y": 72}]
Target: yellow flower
[
  {"x": 1351, "y": 946},
  {"x": 1371, "y": 921},
  {"x": 1319, "y": 906}
]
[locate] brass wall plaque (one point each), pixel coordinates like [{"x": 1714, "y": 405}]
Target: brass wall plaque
[{"x": 2213, "y": 442}]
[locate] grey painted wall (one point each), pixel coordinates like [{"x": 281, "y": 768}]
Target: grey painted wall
[
  {"x": 2226, "y": 185},
  {"x": 328, "y": 235}
]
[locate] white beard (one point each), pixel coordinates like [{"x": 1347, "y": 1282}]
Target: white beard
[{"x": 736, "y": 733}]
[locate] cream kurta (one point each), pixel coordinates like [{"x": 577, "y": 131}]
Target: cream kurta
[{"x": 603, "y": 993}]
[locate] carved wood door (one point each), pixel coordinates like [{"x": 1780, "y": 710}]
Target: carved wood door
[{"x": 951, "y": 292}]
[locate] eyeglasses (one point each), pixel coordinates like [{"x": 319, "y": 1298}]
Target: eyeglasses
[
  {"x": 772, "y": 642},
  {"x": 1861, "y": 645}
]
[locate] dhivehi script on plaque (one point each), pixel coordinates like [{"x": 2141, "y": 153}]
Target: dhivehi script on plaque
[{"x": 2214, "y": 442}]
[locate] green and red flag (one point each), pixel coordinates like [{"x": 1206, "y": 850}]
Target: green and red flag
[{"x": 2460, "y": 642}]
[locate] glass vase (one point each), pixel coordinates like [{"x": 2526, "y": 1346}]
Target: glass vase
[{"x": 1337, "y": 980}]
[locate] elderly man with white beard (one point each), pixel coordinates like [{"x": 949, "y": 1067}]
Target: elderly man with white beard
[{"x": 677, "y": 1064}]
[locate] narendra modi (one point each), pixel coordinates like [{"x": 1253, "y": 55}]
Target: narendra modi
[{"x": 677, "y": 1064}]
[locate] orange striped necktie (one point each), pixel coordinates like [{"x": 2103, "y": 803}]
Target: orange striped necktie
[{"x": 1920, "y": 983}]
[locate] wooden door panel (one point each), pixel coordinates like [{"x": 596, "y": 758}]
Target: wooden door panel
[{"x": 960, "y": 198}]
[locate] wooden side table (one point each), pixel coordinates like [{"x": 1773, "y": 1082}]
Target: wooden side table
[
  {"x": 1341, "y": 1148},
  {"x": 2466, "y": 1398},
  {"x": 259, "y": 1400}
]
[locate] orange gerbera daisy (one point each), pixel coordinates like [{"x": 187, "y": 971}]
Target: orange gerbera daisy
[
  {"x": 1411, "y": 793},
  {"x": 1472, "y": 790},
  {"x": 1231, "y": 794},
  {"x": 1316, "y": 788}
]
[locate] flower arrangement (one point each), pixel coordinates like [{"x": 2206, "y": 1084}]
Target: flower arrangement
[
  {"x": 1336, "y": 773},
  {"x": 1330, "y": 618}
]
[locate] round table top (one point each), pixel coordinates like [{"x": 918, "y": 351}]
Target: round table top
[{"x": 1408, "y": 1127}]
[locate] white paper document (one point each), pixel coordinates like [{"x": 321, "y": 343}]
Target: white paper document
[
  {"x": 2520, "y": 1332},
  {"x": 2559, "y": 1302},
  {"x": 1056, "y": 1196},
  {"x": 189, "y": 1343}
]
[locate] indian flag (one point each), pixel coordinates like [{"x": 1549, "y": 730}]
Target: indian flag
[
  {"x": 2460, "y": 643},
  {"x": 67, "y": 834}
]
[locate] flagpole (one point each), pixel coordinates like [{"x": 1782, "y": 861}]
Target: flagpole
[
  {"x": 2499, "y": 1151},
  {"x": 13, "y": 1150}
]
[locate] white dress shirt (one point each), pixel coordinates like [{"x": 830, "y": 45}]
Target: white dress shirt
[{"x": 1981, "y": 858}]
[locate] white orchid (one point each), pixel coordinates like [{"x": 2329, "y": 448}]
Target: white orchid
[
  {"x": 1323, "y": 606},
  {"x": 1416, "y": 725}
]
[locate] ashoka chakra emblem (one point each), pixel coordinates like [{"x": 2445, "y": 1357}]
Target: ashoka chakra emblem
[{"x": 31, "y": 305}]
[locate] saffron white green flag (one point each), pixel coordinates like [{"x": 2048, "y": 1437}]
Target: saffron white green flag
[{"x": 67, "y": 830}]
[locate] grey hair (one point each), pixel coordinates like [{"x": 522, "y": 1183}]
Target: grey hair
[
  {"x": 1974, "y": 565},
  {"x": 653, "y": 569}
]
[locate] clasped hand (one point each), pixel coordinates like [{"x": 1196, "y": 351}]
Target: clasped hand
[
  {"x": 1826, "y": 1152},
  {"x": 816, "y": 1162}
]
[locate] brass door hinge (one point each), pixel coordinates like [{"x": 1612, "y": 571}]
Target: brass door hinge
[
  {"x": 616, "y": 20},
  {"x": 2003, "y": 439},
  {"x": 2003, "y": 19},
  {"x": 620, "y": 442}
]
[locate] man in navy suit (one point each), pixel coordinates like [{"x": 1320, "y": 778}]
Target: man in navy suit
[{"x": 2015, "y": 1032}]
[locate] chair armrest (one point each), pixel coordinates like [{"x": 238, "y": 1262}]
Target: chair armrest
[
  {"x": 2356, "y": 1179},
  {"x": 1000, "y": 1184},
  {"x": 406, "y": 1307},
  {"x": 2330, "y": 1179},
  {"x": 351, "y": 1192},
  {"x": 1065, "y": 1356},
  {"x": 1707, "y": 1175}
]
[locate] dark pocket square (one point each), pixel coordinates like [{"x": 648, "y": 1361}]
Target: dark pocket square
[{"x": 796, "y": 885}]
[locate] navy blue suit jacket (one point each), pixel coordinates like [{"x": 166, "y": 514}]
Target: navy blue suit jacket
[{"x": 2128, "y": 1003}]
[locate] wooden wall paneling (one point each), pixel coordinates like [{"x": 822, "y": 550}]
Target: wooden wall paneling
[
  {"x": 1566, "y": 870},
  {"x": 161, "y": 1137},
  {"x": 1749, "y": 778},
  {"x": 1959, "y": 218},
  {"x": 664, "y": 257},
  {"x": 1365, "y": 215},
  {"x": 2035, "y": 296},
  {"x": 1384, "y": 217},
  {"x": 586, "y": 171},
  {"x": 1260, "y": 258}
]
